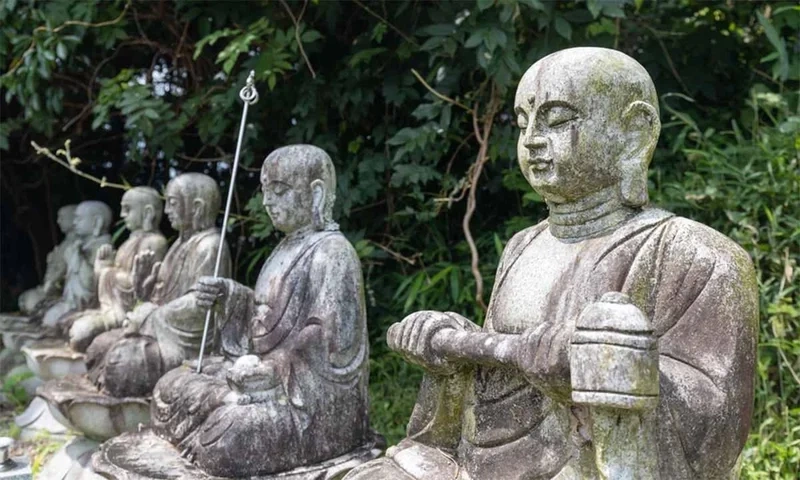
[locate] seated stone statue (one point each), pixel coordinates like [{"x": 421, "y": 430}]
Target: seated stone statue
[
  {"x": 91, "y": 224},
  {"x": 620, "y": 339},
  {"x": 289, "y": 391},
  {"x": 158, "y": 335},
  {"x": 116, "y": 272},
  {"x": 50, "y": 289}
]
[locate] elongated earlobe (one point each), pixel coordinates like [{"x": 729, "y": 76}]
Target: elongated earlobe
[
  {"x": 98, "y": 226},
  {"x": 147, "y": 218},
  {"x": 318, "y": 204},
  {"x": 642, "y": 122},
  {"x": 199, "y": 215}
]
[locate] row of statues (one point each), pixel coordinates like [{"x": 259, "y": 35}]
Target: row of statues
[{"x": 619, "y": 341}]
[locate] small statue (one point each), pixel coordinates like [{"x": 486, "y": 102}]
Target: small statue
[
  {"x": 91, "y": 224},
  {"x": 288, "y": 396},
  {"x": 125, "y": 363},
  {"x": 158, "y": 335},
  {"x": 48, "y": 292},
  {"x": 117, "y": 273},
  {"x": 620, "y": 339}
]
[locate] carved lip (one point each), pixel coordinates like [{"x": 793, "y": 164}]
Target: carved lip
[{"x": 540, "y": 164}]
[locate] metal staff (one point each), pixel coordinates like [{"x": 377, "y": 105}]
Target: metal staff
[{"x": 249, "y": 96}]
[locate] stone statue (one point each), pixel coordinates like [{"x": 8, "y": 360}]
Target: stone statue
[
  {"x": 50, "y": 289},
  {"x": 91, "y": 224},
  {"x": 125, "y": 363},
  {"x": 620, "y": 340},
  {"x": 288, "y": 394},
  {"x": 117, "y": 272}
]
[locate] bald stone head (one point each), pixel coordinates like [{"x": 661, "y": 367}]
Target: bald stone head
[
  {"x": 141, "y": 208},
  {"x": 193, "y": 202},
  {"x": 299, "y": 187},
  {"x": 66, "y": 218},
  {"x": 92, "y": 219},
  {"x": 589, "y": 121}
]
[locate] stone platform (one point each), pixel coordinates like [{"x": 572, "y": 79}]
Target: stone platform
[
  {"x": 146, "y": 456},
  {"x": 95, "y": 414}
]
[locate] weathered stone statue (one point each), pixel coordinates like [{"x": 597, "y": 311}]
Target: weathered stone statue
[
  {"x": 50, "y": 289},
  {"x": 125, "y": 363},
  {"x": 288, "y": 395},
  {"x": 117, "y": 273},
  {"x": 620, "y": 339},
  {"x": 90, "y": 226}
]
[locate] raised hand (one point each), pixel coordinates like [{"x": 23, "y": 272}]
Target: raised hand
[
  {"x": 105, "y": 253},
  {"x": 413, "y": 338},
  {"x": 210, "y": 289},
  {"x": 145, "y": 274}
]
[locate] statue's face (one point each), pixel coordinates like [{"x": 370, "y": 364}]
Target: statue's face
[
  {"x": 65, "y": 220},
  {"x": 569, "y": 137},
  {"x": 174, "y": 207},
  {"x": 132, "y": 211},
  {"x": 83, "y": 224},
  {"x": 287, "y": 195}
]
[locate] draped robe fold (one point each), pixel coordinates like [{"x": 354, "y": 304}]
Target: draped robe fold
[
  {"x": 115, "y": 284},
  {"x": 129, "y": 366},
  {"x": 306, "y": 319},
  {"x": 697, "y": 287},
  {"x": 80, "y": 284},
  {"x": 44, "y": 295}
]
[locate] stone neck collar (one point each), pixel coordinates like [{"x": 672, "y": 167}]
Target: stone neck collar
[{"x": 592, "y": 216}]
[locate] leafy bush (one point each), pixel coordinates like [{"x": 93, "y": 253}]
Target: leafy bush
[{"x": 413, "y": 102}]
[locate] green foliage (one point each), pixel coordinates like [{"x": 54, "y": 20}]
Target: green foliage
[
  {"x": 13, "y": 390},
  {"x": 393, "y": 91}
]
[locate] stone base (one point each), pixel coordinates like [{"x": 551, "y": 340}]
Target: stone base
[
  {"x": 146, "y": 456},
  {"x": 18, "y": 335},
  {"x": 93, "y": 413},
  {"x": 20, "y": 469},
  {"x": 38, "y": 419},
  {"x": 12, "y": 319},
  {"x": 52, "y": 358},
  {"x": 73, "y": 461}
]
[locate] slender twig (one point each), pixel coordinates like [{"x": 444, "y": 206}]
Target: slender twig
[
  {"x": 439, "y": 95},
  {"x": 482, "y": 135},
  {"x": 387, "y": 23},
  {"x": 398, "y": 256},
  {"x": 70, "y": 164},
  {"x": 296, "y": 21}
]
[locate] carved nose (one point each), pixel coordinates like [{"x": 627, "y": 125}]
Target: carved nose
[{"x": 535, "y": 142}]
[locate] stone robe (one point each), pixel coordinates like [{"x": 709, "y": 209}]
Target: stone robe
[
  {"x": 172, "y": 325},
  {"x": 80, "y": 285},
  {"x": 697, "y": 287},
  {"x": 48, "y": 291},
  {"x": 115, "y": 288},
  {"x": 307, "y": 321}
]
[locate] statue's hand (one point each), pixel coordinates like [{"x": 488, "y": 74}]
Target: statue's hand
[
  {"x": 134, "y": 319},
  {"x": 250, "y": 374},
  {"x": 210, "y": 289},
  {"x": 145, "y": 273},
  {"x": 105, "y": 253},
  {"x": 413, "y": 338}
]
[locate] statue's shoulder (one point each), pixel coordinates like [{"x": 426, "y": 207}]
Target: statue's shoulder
[
  {"x": 688, "y": 236},
  {"x": 332, "y": 244}
]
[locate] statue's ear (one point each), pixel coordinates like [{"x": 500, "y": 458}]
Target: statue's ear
[
  {"x": 318, "y": 204},
  {"x": 98, "y": 226},
  {"x": 147, "y": 218},
  {"x": 642, "y": 126},
  {"x": 198, "y": 213}
]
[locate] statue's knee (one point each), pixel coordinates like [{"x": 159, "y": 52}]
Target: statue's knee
[{"x": 378, "y": 469}]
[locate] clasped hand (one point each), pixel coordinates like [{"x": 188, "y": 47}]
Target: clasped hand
[
  {"x": 209, "y": 290},
  {"x": 413, "y": 338}
]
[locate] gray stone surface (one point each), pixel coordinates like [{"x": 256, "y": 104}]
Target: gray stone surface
[
  {"x": 71, "y": 462},
  {"x": 620, "y": 339},
  {"x": 50, "y": 289},
  {"x": 118, "y": 273},
  {"x": 286, "y": 396},
  {"x": 90, "y": 227},
  {"x": 125, "y": 363},
  {"x": 37, "y": 419}
]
